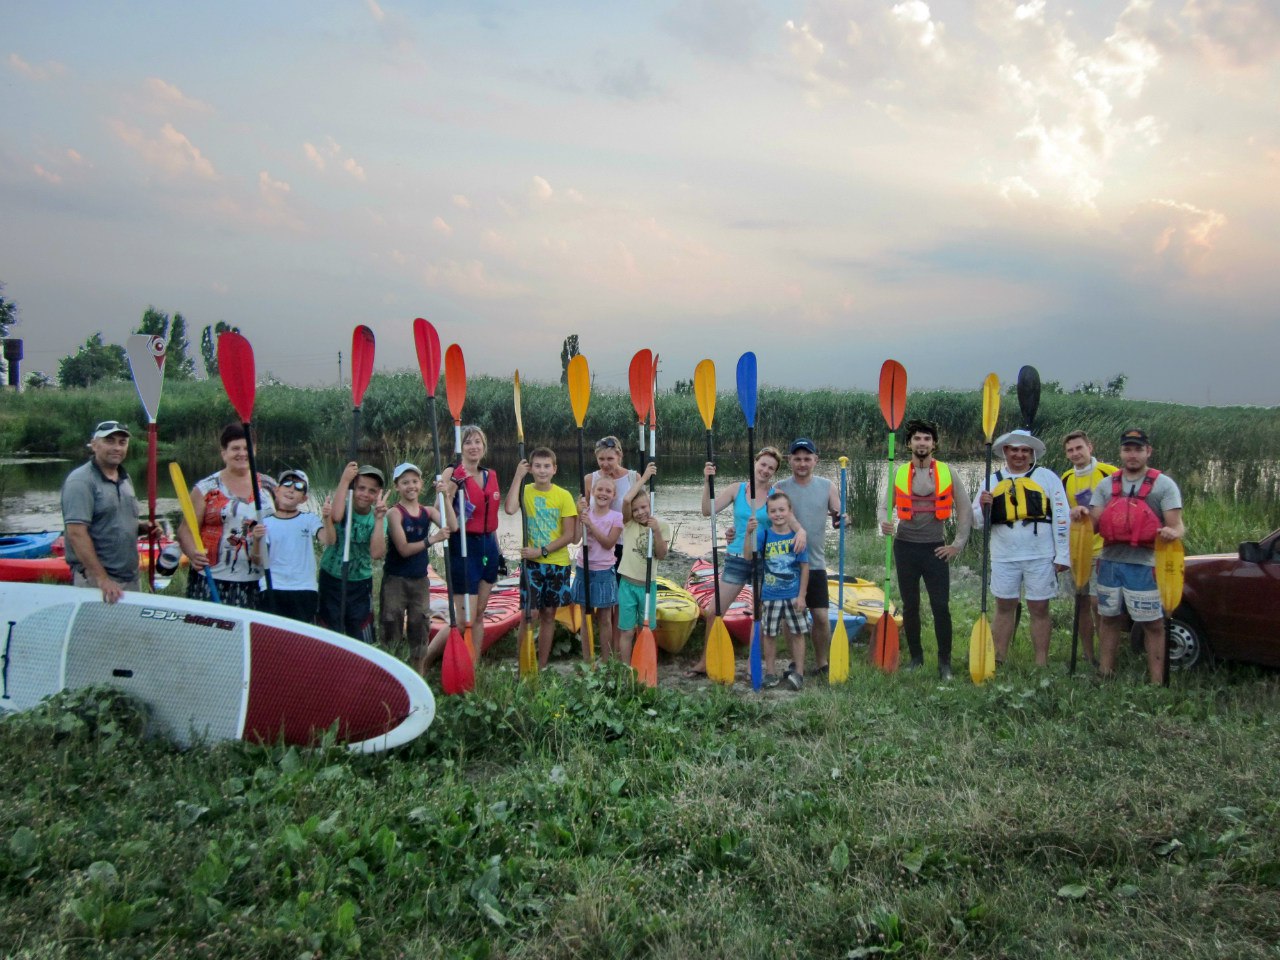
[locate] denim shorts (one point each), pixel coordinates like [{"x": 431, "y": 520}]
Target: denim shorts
[
  {"x": 737, "y": 570},
  {"x": 604, "y": 588}
]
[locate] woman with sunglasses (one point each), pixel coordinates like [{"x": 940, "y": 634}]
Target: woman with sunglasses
[
  {"x": 609, "y": 461},
  {"x": 481, "y": 504},
  {"x": 223, "y": 502}
]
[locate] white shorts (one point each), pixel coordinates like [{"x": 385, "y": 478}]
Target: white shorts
[{"x": 1009, "y": 578}]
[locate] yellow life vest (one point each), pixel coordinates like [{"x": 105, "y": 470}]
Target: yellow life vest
[
  {"x": 905, "y": 500},
  {"x": 1079, "y": 488},
  {"x": 1015, "y": 499}
]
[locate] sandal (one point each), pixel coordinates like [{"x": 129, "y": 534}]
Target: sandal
[{"x": 693, "y": 673}]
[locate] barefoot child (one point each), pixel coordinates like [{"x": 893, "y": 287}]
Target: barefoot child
[
  {"x": 290, "y": 537},
  {"x": 639, "y": 527},
  {"x": 405, "y": 588},
  {"x": 553, "y": 525},
  {"x": 786, "y": 576},
  {"x": 368, "y": 543},
  {"x": 602, "y": 525}
]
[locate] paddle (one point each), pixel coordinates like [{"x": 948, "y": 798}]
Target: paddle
[
  {"x": 640, "y": 379},
  {"x": 361, "y": 371},
  {"x": 1170, "y": 569},
  {"x": 982, "y": 650},
  {"x": 528, "y": 652},
  {"x": 747, "y": 402},
  {"x": 838, "y": 668},
  {"x": 579, "y": 377},
  {"x": 1028, "y": 404},
  {"x": 236, "y": 367},
  {"x": 457, "y": 670},
  {"x": 1081, "y": 564},
  {"x": 189, "y": 514},
  {"x": 720, "y": 665},
  {"x": 455, "y": 392},
  {"x": 146, "y": 361},
  {"x": 893, "y": 402},
  {"x": 644, "y": 654}
]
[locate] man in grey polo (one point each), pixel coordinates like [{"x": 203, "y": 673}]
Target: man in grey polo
[{"x": 100, "y": 513}]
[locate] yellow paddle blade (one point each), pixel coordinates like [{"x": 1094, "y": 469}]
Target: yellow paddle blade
[
  {"x": 579, "y": 388},
  {"x": 1170, "y": 565},
  {"x": 1081, "y": 552},
  {"x": 188, "y": 508},
  {"x": 990, "y": 405},
  {"x": 884, "y": 645},
  {"x": 591, "y": 639},
  {"x": 528, "y": 652},
  {"x": 838, "y": 671},
  {"x": 644, "y": 657},
  {"x": 720, "y": 665},
  {"x": 982, "y": 652},
  {"x": 704, "y": 387},
  {"x": 519, "y": 421}
]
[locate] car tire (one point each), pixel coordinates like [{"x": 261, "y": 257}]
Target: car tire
[{"x": 1188, "y": 645}]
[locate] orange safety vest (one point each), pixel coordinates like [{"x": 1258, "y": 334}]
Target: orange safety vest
[{"x": 903, "y": 499}]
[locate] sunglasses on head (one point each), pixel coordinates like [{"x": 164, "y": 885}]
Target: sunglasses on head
[
  {"x": 299, "y": 485},
  {"x": 112, "y": 425},
  {"x": 608, "y": 443}
]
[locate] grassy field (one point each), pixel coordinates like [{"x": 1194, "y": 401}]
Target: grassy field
[{"x": 1039, "y": 816}]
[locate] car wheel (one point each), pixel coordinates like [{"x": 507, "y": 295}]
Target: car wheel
[{"x": 1187, "y": 644}]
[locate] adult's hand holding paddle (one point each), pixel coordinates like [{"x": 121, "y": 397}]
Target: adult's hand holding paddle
[
  {"x": 720, "y": 665},
  {"x": 893, "y": 403},
  {"x": 982, "y": 650}
]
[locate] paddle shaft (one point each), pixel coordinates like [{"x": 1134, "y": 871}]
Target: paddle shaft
[
  {"x": 257, "y": 492},
  {"x": 986, "y": 536},
  {"x": 755, "y": 554},
  {"x": 353, "y": 449},
  {"x": 448, "y": 566},
  {"x": 648, "y": 564},
  {"x": 888, "y": 546},
  {"x": 844, "y": 478},
  {"x": 586, "y": 559},
  {"x": 462, "y": 519},
  {"x": 152, "y": 533},
  {"x": 715, "y": 548}
]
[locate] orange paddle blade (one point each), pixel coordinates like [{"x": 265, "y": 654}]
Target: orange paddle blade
[
  {"x": 1170, "y": 570},
  {"x": 640, "y": 379},
  {"x": 579, "y": 376},
  {"x": 893, "y": 392},
  {"x": 720, "y": 665},
  {"x": 644, "y": 657},
  {"x": 982, "y": 652},
  {"x": 458, "y": 672},
  {"x": 884, "y": 645},
  {"x": 1081, "y": 552},
  {"x": 455, "y": 381},
  {"x": 469, "y": 643}
]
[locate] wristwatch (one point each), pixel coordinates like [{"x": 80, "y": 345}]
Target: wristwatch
[{"x": 544, "y": 551}]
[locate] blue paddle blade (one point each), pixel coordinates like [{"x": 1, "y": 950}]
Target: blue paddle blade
[
  {"x": 757, "y": 665},
  {"x": 747, "y": 387}
]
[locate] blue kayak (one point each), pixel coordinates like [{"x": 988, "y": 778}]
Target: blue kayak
[{"x": 27, "y": 546}]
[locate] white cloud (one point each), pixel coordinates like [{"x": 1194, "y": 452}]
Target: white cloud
[
  {"x": 1180, "y": 236},
  {"x": 466, "y": 278},
  {"x": 330, "y": 149},
  {"x": 75, "y": 157},
  {"x": 170, "y": 153},
  {"x": 353, "y": 168},
  {"x": 1235, "y": 33},
  {"x": 46, "y": 71},
  {"x": 461, "y": 202},
  {"x": 46, "y": 175},
  {"x": 442, "y": 228},
  {"x": 314, "y": 155},
  {"x": 539, "y": 189},
  {"x": 167, "y": 95},
  {"x": 375, "y": 11},
  {"x": 273, "y": 191}
]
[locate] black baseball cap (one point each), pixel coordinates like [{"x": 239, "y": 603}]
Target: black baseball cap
[
  {"x": 1135, "y": 436},
  {"x": 803, "y": 443}
]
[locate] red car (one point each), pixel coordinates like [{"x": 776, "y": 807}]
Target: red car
[{"x": 1230, "y": 608}]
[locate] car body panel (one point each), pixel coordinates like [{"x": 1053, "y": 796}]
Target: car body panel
[{"x": 1236, "y": 602}]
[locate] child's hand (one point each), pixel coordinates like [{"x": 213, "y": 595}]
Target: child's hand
[
  {"x": 798, "y": 603},
  {"x": 349, "y": 473},
  {"x": 380, "y": 507},
  {"x": 326, "y": 509},
  {"x": 752, "y": 524},
  {"x": 531, "y": 553},
  {"x": 522, "y": 469},
  {"x": 256, "y": 530},
  {"x": 444, "y": 486}
]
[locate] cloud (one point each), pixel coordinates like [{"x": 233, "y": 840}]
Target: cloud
[
  {"x": 46, "y": 175},
  {"x": 1179, "y": 236},
  {"x": 46, "y": 71},
  {"x": 74, "y": 157},
  {"x": 466, "y": 278},
  {"x": 375, "y": 11},
  {"x": 629, "y": 80},
  {"x": 273, "y": 191},
  {"x": 442, "y": 228},
  {"x": 313, "y": 154},
  {"x": 170, "y": 153},
  {"x": 461, "y": 202},
  {"x": 539, "y": 189},
  {"x": 1235, "y": 33},
  {"x": 167, "y": 95},
  {"x": 353, "y": 168},
  {"x": 724, "y": 29},
  {"x": 329, "y": 150}
]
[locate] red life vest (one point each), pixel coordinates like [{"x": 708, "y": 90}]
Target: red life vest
[
  {"x": 904, "y": 499},
  {"x": 481, "y": 500},
  {"x": 1129, "y": 520}
]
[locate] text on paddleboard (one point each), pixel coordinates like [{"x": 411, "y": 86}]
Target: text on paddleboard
[{"x": 174, "y": 616}]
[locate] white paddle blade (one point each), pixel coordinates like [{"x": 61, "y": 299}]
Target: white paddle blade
[{"x": 146, "y": 361}]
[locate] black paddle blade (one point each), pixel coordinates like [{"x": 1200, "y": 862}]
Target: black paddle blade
[{"x": 1028, "y": 395}]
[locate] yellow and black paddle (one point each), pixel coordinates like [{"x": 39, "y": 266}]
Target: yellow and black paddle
[
  {"x": 579, "y": 398},
  {"x": 528, "y": 651},
  {"x": 893, "y": 402},
  {"x": 193, "y": 524},
  {"x": 1170, "y": 570},
  {"x": 720, "y": 665},
  {"x": 982, "y": 648},
  {"x": 1081, "y": 568},
  {"x": 838, "y": 667}
]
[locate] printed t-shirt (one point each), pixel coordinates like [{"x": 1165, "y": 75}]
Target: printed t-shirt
[
  {"x": 224, "y": 524},
  {"x": 809, "y": 502},
  {"x": 290, "y": 546},
  {"x": 635, "y": 548},
  {"x": 781, "y": 564},
  {"x": 361, "y": 535},
  {"x": 1164, "y": 495},
  {"x": 601, "y": 558},
  {"x": 545, "y": 511}
]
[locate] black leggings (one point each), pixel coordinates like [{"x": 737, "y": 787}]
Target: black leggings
[{"x": 914, "y": 561}]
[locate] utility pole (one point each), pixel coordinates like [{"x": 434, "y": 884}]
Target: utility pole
[{"x": 339, "y": 369}]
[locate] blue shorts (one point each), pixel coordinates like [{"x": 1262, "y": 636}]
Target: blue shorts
[
  {"x": 604, "y": 588},
  {"x": 483, "y": 558},
  {"x": 631, "y": 604},
  {"x": 1128, "y": 586},
  {"x": 548, "y": 585},
  {"x": 737, "y": 570}
]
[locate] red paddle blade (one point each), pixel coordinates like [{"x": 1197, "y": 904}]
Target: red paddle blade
[
  {"x": 640, "y": 376},
  {"x": 644, "y": 657},
  {"x": 458, "y": 672},
  {"x": 361, "y": 363},
  {"x": 455, "y": 381},
  {"x": 893, "y": 392},
  {"x": 884, "y": 644},
  {"x": 427, "y": 341},
  {"x": 235, "y": 366},
  {"x": 653, "y": 395}
]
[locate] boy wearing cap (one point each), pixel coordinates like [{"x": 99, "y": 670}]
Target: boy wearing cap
[
  {"x": 813, "y": 500},
  {"x": 405, "y": 588},
  {"x": 1029, "y": 520},
  {"x": 368, "y": 543},
  {"x": 290, "y": 536},
  {"x": 100, "y": 516},
  {"x": 1132, "y": 510}
]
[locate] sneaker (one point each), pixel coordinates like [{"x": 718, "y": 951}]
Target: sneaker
[
  {"x": 770, "y": 681},
  {"x": 944, "y": 672},
  {"x": 915, "y": 664},
  {"x": 796, "y": 680},
  {"x": 823, "y": 671}
]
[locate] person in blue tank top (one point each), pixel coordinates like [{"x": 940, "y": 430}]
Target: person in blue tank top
[{"x": 405, "y": 587}]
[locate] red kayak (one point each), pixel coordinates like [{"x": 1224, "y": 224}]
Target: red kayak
[
  {"x": 501, "y": 616},
  {"x": 54, "y": 569},
  {"x": 737, "y": 616}
]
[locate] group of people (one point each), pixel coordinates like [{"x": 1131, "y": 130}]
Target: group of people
[{"x": 265, "y": 559}]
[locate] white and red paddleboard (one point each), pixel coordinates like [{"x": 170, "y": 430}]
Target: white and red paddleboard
[{"x": 208, "y": 672}]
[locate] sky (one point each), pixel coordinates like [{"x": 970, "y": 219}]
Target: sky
[{"x": 966, "y": 186}]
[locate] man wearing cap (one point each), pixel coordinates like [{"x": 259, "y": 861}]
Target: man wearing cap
[
  {"x": 1029, "y": 518},
  {"x": 100, "y": 516},
  {"x": 368, "y": 543},
  {"x": 1133, "y": 509},
  {"x": 927, "y": 493},
  {"x": 813, "y": 500}
]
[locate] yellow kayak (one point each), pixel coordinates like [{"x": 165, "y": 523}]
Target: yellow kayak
[
  {"x": 862, "y": 596},
  {"x": 677, "y": 614}
]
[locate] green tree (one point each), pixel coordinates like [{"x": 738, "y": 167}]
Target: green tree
[
  {"x": 8, "y": 313},
  {"x": 1112, "y": 388},
  {"x": 567, "y": 353},
  {"x": 94, "y": 362},
  {"x": 154, "y": 324},
  {"x": 209, "y": 346},
  {"x": 38, "y": 380}
]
